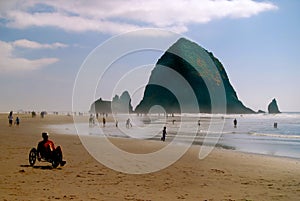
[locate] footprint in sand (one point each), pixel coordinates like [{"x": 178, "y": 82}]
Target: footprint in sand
[
  {"x": 181, "y": 197},
  {"x": 217, "y": 171}
]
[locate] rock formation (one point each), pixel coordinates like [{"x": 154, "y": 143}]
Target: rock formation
[
  {"x": 193, "y": 63},
  {"x": 273, "y": 107},
  {"x": 120, "y": 104}
]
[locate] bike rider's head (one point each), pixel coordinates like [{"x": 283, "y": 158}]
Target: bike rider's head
[{"x": 45, "y": 135}]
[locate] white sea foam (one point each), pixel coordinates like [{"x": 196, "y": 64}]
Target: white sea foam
[{"x": 276, "y": 135}]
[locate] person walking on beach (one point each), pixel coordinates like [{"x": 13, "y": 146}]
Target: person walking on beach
[
  {"x": 103, "y": 121},
  {"x": 235, "y": 123},
  {"x": 128, "y": 124},
  {"x": 91, "y": 120},
  {"x": 17, "y": 122},
  {"x": 10, "y": 118},
  {"x": 164, "y": 133}
]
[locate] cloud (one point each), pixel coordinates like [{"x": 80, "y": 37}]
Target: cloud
[
  {"x": 68, "y": 23},
  {"x": 10, "y": 63},
  {"x": 35, "y": 45},
  {"x": 120, "y": 16}
]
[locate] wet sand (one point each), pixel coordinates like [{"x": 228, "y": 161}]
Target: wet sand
[{"x": 223, "y": 175}]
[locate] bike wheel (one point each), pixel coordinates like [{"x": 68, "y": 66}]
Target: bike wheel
[{"x": 32, "y": 156}]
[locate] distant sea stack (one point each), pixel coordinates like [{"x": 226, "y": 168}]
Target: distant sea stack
[
  {"x": 192, "y": 66},
  {"x": 273, "y": 107},
  {"x": 120, "y": 104},
  {"x": 101, "y": 106}
]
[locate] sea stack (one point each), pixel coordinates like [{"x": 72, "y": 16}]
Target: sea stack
[
  {"x": 120, "y": 104},
  {"x": 200, "y": 69},
  {"x": 273, "y": 107}
]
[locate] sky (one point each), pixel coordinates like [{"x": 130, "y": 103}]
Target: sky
[{"x": 43, "y": 45}]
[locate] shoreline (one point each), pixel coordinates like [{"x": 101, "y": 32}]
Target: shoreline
[
  {"x": 195, "y": 145},
  {"x": 228, "y": 140},
  {"x": 222, "y": 175}
]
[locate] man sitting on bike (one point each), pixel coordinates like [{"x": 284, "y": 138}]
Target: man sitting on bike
[{"x": 47, "y": 150}]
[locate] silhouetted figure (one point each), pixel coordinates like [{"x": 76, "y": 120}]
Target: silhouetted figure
[
  {"x": 275, "y": 125},
  {"x": 235, "y": 123},
  {"x": 17, "y": 122},
  {"x": 199, "y": 122},
  {"x": 117, "y": 123},
  {"x": 33, "y": 114},
  {"x": 128, "y": 124},
  {"x": 91, "y": 120},
  {"x": 103, "y": 121},
  {"x": 164, "y": 133},
  {"x": 46, "y": 149},
  {"x": 10, "y": 118}
]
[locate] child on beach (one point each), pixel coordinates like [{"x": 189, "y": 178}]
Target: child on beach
[{"x": 17, "y": 122}]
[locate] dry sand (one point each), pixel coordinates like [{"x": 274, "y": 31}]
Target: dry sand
[{"x": 223, "y": 175}]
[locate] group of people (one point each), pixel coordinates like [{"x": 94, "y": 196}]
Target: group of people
[
  {"x": 46, "y": 148},
  {"x": 128, "y": 125},
  {"x": 11, "y": 119},
  {"x": 92, "y": 121}
]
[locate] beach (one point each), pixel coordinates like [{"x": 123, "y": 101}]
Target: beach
[{"x": 222, "y": 175}]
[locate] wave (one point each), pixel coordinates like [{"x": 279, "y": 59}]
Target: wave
[
  {"x": 276, "y": 135},
  {"x": 293, "y": 115}
]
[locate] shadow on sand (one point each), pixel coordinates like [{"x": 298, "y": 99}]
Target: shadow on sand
[{"x": 42, "y": 167}]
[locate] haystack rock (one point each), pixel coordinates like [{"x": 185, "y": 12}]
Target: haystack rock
[{"x": 190, "y": 61}]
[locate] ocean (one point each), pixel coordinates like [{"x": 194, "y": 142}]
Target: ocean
[{"x": 255, "y": 133}]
